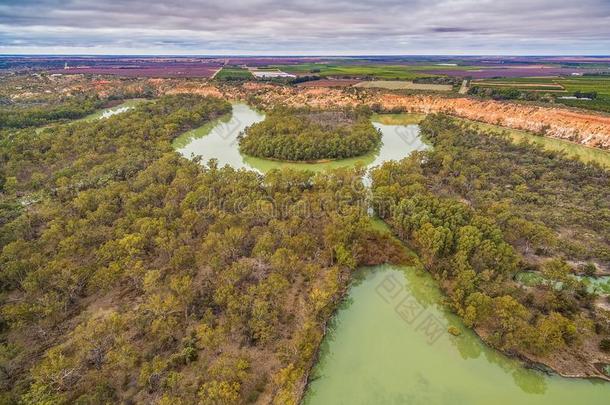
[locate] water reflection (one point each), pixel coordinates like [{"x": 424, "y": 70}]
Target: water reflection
[
  {"x": 125, "y": 106},
  {"x": 373, "y": 356},
  {"x": 218, "y": 139}
]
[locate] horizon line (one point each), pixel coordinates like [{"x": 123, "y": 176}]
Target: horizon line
[{"x": 309, "y": 55}]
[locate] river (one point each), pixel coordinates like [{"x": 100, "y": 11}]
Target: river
[
  {"x": 378, "y": 352},
  {"x": 218, "y": 140},
  {"x": 110, "y": 111},
  {"x": 388, "y": 342}
]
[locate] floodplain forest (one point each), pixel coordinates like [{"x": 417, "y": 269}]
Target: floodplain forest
[
  {"x": 132, "y": 273},
  {"x": 310, "y": 135}
]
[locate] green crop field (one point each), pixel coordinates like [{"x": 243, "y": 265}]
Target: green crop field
[
  {"x": 520, "y": 80},
  {"x": 588, "y": 84},
  {"x": 585, "y": 84},
  {"x": 599, "y": 84},
  {"x": 233, "y": 73},
  {"x": 570, "y": 84},
  {"x": 400, "y": 72},
  {"x": 523, "y": 87}
]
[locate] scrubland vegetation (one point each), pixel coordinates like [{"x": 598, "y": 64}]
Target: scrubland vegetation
[
  {"x": 309, "y": 135},
  {"x": 132, "y": 274},
  {"x": 479, "y": 209}
]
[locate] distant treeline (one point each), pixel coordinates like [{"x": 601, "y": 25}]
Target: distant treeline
[
  {"x": 499, "y": 93},
  {"x": 586, "y": 100},
  {"x": 598, "y": 104},
  {"x": 453, "y": 81},
  {"x": 26, "y": 116},
  {"x": 303, "y": 79},
  {"x": 586, "y": 94}
]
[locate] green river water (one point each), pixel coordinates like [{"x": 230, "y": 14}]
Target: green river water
[
  {"x": 218, "y": 140},
  {"x": 103, "y": 113},
  {"x": 377, "y": 352},
  {"x": 388, "y": 342},
  {"x": 117, "y": 109}
]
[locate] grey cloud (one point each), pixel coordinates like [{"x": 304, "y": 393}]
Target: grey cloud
[
  {"x": 372, "y": 26},
  {"x": 451, "y": 29}
]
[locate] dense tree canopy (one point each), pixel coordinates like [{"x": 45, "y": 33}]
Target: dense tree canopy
[
  {"x": 22, "y": 116},
  {"x": 132, "y": 274},
  {"x": 479, "y": 209},
  {"x": 310, "y": 135},
  {"x": 546, "y": 203}
]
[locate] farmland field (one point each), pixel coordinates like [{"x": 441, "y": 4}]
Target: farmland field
[
  {"x": 599, "y": 84},
  {"x": 381, "y": 72},
  {"x": 490, "y": 72},
  {"x": 329, "y": 83},
  {"x": 403, "y": 85},
  {"x": 231, "y": 73},
  {"x": 560, "y": 86},
  {"x": 523, "y": 86},
  {"x": 163, "y": 71}
]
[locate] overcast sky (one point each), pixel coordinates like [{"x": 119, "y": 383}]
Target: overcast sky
[{"x": 305, "y": 27}]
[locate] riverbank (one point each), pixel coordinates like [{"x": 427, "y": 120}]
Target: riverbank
[
  {"x": 585, "y": 153},
  {"x": 219, "y": 140},
  {"x": 410, "y": 260},
  {"x": 372, "y": 352},
  {"x": 570, "y": 363},
  {"x": 579, "y": 126},
  {"x": 309, "y": 162}
]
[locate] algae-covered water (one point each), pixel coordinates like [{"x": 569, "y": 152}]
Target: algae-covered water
[{"x": 388, "y": 344}]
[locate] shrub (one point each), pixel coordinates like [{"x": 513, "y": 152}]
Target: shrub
[{"x": 604, "y": 345}]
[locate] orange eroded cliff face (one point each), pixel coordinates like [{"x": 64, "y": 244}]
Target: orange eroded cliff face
[
  {"x": 584, "y": 128},
  {"x": 581, "y": 127}
]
